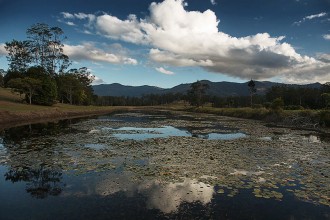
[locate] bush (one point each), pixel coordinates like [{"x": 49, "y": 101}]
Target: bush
[
  {"x": 324, "y": 118},
  {"x": 11, "y": 75},
  {"x": 257, "y": 106},
  {"x": 267, "y": 105},
  {"x": 293, "y": 107},
  {"x": 277, "y": 104}
]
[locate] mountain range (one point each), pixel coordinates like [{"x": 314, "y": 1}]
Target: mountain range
[{"x": 223, "y": 89}]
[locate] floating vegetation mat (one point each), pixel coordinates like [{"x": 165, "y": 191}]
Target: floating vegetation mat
[{"x": 182, "y": 157}]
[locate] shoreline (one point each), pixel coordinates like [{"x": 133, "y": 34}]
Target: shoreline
[
  {"x": 10, "y": 119},
  {"x": 42, "y": 114}
]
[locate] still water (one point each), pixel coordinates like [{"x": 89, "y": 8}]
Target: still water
[{"x": 163, "y": 166}]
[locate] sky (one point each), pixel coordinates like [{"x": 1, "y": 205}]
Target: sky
[{"x": 168, "y": 42}]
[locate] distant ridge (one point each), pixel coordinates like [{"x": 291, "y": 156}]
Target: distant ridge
[{"x": 223, "y": 89}]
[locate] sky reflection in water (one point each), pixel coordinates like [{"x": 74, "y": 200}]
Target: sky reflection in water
[{"x": 169, "y": 131}]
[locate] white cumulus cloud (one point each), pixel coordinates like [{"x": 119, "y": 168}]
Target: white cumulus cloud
[
  {"x": 67, "y": 15},
  {"x": 3, "y": 51},
  {"x": 162, "y": 70},
  {"x": 80, "y": 15},
  {"x": 326, "y": 36},
  {"x": 213, "y": 2},
  {"x": 178, "y": 37},
  {"x": 70, "y": 23},
  {"x": 88, "y": 51},
  {"x": 127, "y": 30},
  {"x": 97, "y": 80}
]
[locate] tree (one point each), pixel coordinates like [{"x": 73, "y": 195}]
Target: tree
[
  {"x": 25, "y": 85},
  {"x": 46, "y": 47},
  {"x": 43, "y": 48},
  {"x": 74, "y": 86},
  {"x": 326, "y": 87},
  {"x": 197, "y": 93},
  {"x": 18, "y": 56},
  {"x": 41, "y": 58},
  {"x": 67, "y": 83},
  {"x": 47, "y": 93},
  {"x": 2, "y": 75},
  {"x": 277, "y": 104},
  {"x": 252, "y": 89},
  {"x": 58, "y": 61},
  {"x": 39, "y": 36},
  {"x": 326, "y": 98}
]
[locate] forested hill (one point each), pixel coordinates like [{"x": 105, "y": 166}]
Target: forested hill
[{"x": 215, "y": 88}]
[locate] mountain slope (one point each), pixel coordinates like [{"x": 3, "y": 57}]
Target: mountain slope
[
  {"x": 215, "y": 88},
  {"x": 117, "y": 89}
]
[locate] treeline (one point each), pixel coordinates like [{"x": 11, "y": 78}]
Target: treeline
[
  {"x": 286, "y": 97},
  {"x": 145, "y": 100},
  {"x": 38, "y": 68}
]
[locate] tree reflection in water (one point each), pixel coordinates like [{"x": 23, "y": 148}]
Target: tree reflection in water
[
  {"x": 32, "y": 157},
  {"x": 40, "y": 182}
]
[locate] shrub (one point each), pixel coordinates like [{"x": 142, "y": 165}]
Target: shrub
[
  {"x": 277, "y": 104},
  {"x": 324, "y": 118},
  {"x": 293, "y": 107},
  {"x": 267, "y": 104}
]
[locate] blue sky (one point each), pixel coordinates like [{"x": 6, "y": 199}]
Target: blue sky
[{"x": 165, "y": 43}]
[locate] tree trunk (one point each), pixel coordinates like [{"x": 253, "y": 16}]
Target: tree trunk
[
  {"x": 70, "y": 95},
  {"x": 251, "y": 101},
  {"x": 30, "y": 96}
]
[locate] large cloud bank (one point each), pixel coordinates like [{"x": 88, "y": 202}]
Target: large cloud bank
[{"x": 178, "y": 37}]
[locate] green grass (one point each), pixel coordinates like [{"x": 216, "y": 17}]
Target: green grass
[
  {"x": 250, "y": 113},
  {"x": 7, "y": 95}
]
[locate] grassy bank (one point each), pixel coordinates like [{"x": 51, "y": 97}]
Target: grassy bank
[
  {"x": 13, "y": 112},
  {"x": 294, "y": 118}
]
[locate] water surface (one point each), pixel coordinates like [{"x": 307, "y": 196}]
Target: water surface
[{"x": 144, "y": 166}]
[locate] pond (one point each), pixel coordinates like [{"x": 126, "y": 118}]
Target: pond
[{"x": 163, "y": 165}]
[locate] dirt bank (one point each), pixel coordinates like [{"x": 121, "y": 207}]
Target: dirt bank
[{"x": 15, "y": 118}]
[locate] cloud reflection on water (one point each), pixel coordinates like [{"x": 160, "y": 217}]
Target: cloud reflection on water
[
  {"x": 165, "y": 197},
  {"x": 168, "y": 198}
]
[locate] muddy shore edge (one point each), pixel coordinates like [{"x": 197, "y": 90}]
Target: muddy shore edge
[{"x": 10, "y": 119}]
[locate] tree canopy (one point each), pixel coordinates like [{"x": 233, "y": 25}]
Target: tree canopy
[{"x": 252, "y": 90}]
